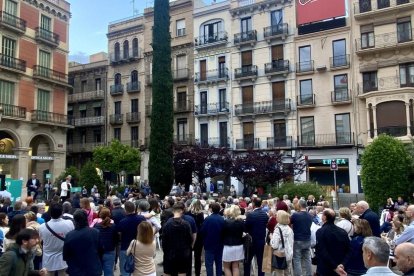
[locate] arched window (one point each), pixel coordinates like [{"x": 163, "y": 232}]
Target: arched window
[
  {"x": 117, "y": 51},
  {"x": 391, "y": 118},
  {"x": 126, "y": 49},
  {"x": 134, "y": 76},
  {"x": 118, "y": 79},
  {"x": 135, "y": 47}
]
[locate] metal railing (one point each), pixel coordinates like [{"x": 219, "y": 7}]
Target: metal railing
[
  {"x": 264, "y": 107},
  {"x": 13, "y": 63},
  {"x": 305, "y": 66},
  {"x": 86, "y": 96},
  {"x": 251, "y": 143},
  {"x": 277, "y": 66},
  {"x": 363, "y": 6},
  {"x": 116, "y": 89},
  {"x": 331, "y": 139},
  {"x": 121, "y": 56},
  {"x": 245, "y": 37},
  {"x": 396, "y": 131},
  {"x": 385, "y": 40},
  {"x": 216, "y": 142},
  {"x": 279, "y": 142},
  {"x": 182, "y": 106},
  {"x": 305, "y": 100},
  {"x": 276, "y": 30},
  {"x": 47, "y": 36},
  {"x": 133, "y": 87},
  {"x": 211, "y": 108},
  {"x": 181, "y": 74},
  {"x": 89, "y": 121},
  {"x": 44, "y": 72},
  {"x": 13, "y": 111},
  {"x": 8, "y": 19},
  {"x": 133, "y": 117},
  {"x": 211, "y": 39},
  {"x": 339, "y": 61},
  {"x": 116, "y": 119},
  {"x": 186, "y": 139},
  {"x": 83, "y": 147},
  {"x": 245, "y": 71},
  {"x": 50, "y": 117},
  {"x": 382, "y": 84},
  {"x": 340, "y": 96},
  {"x": 211, "y": 75}
]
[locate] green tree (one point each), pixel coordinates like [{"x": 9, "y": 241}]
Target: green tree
[
  {"x": 160, "y": 167},
  {"x": 117, "y": 157},
  {"x": 89, "y": 177},
  {"x": 386, "y": 167},
  {"x": 73, "y": 171}
]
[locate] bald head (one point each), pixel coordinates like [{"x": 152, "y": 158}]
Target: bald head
[
  {"x": 409, "y": 213},
  {"x": 328, "y": 216},
  {"x": 361, "y": 207},
  {"x": 404, "y": 256}
]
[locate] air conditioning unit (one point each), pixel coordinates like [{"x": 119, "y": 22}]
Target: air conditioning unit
[{"x": 321, "y": 68}]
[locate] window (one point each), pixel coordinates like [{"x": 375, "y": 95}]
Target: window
[
  {"x": 307, "y": 130},
  {"x": 117, "y": 50},
  {"x": 97, "y": 111},
  {"x": 8, "y": 50},
  {"x": 305, "y": 62},
  {"x": 97, "y": 136},
  {"x": 117, "y": 133},
  {"x": 118, "y": 80},
  {"x": 181, "y": 100},
  {"x": 246, "y": 25},
  {"x": 364, "y": 6},
  {"x": 44, "y": 63},
  {"x": 204, "y": 135},
  {"x": 7, "y": 92},
  {"x": 180, "y": 27},
  {"x": 134, "y": 135},
  {"x": 98, "y": 84},
  {"x": 339, "y": 53},
  {"x": 203, "y": 102},
  {"x": 211, "y": 32},
  {"x": 45, "y": 23},
  {"x": 134, "y": 105},
  {"x": 43, "y": 104},
  {"x": 126, "y": 49},
  {"x": 11, "y": 8},
  {"x": 341, "y": 88},
  {"x": 247, "y": 99},
  {"x": 135, "y": 47},
  {"x": 367, "y": 36},
  {"x": 222, "y": 67},
  {"x": 181, "y": 130},
  {"x": 83, "y": 86},
  {"x": 276, "y": 18},
  {"x": 223, "y": 134},
  {"x": 383, "y": 4},
  {"x": 203, "y": 70},
  {"x": 306, "y": 94},
  {"x": 248, "y": 135},
  {"x": 117, "y": 107},
  {"x": 246, "y": 61},
  {"x": 279, "y": 133},
  {"x": 407, "y": 74},
  {"x": 223, "y": 106},
  {"x": 134, "y": 76},
  {"x": 404, "y": 29},
  {"x": 343, "y": 128},
  {"x": 181, "y": 66},
  {"x": 369, "y": 81}
]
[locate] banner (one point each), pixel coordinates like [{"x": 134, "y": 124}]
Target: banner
[{"x": 308, "y": 11}]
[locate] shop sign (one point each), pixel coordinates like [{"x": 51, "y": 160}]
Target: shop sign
[
  {"x": 48, "y": 158},
  {"x": 338, "y": 161},
  {"x": 8, "y": 156}
]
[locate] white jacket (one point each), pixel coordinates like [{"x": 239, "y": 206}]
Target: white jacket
[{"x": 276, "y": 241}]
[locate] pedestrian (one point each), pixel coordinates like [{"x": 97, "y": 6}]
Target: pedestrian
[
  {"x": 196, "y": 212},
  {"x": 118, "y": 213},
  {"x": 344, "y": 221},
  {"x": 408, "y": 234},
  {"x": 82, "y": 248},
  {"x": 65, "y": 187},
  {"x": 4, "y": 223},
  {"x": 364, "y": 212},
  {"x": 85, "y": 205},
  {"x": 376, "y": 253},
  {"x": 17, "y": 224},
  {"x": 404, "y": 257},
  {"x": 17, "y": 210},
  {"x": 143, "y": 249}
]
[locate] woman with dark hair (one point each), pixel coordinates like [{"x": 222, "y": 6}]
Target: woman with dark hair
[
  {"x": 17, "y": 223},
  {"x": 4, "y": 223},
  {"x": 82, "y": 249},
  {"x": 108, "y": 237}
]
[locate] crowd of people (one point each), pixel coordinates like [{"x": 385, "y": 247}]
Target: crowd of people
[{"x": 80, "y": 235}]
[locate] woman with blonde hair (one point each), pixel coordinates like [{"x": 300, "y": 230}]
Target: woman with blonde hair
[
  {"x": 283, "y": 231},
  {"x": 344, "y": 221},
  {"x": 233, "y": 251},
  {"x": 85, "y": 205},
  {"x": 143, "y": 249}
]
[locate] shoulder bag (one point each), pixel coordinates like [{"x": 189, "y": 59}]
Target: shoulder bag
[
  {"x": 129, "y": 265},
  {"x": 278, "y": 257},
  {"x": 54, "y": 233}
]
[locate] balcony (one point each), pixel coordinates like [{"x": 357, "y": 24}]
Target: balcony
[
  {"x": 187, "y": 139},
  {"x": 245, "y": 38},
  {"x": 261, "y": 108},
  {"x": 246, "y": 72},
  {"x": 305, "y": 67},
  {"x": 211, "y": 109},
  {"x": 305, "y": 101},
  {"x": 384, "y": 85},
  {"x": 12, "y": 64},
  {"x": 181, "y": 74},
  {"x": 275, "y": 32},
  {"x": 89, "y": 121},
  {"x": 51, "y": 76},
  {"x": 133, "y": 117},
  {"x": 183, "y": 106},
  {"x": 214, "y": 40},
  {"x": 279, "y": 142},
  {"x": 116, "y": 89},
  {"x": 12, "y": 23},
  {"x": 367, "y": 9},
  {"x": 339, "y": 62},
  {"x": 47, "y": 37},
  {"x": 277, "y": 67},
  {"x": 384, "y": 42},
  {"x": 326, "y": 140},
  {"x": 9, "y": 111},
  {"x": 212, "y": 76},
  {"x": 125, "y": 57},
  {"x": 116, "y": 119},
  {"x": 215, "y": 142},
  {"x": 40, "y": 116},
  {"x": 133, "y": 87},
  {"x": 246, "y": 144},
  {"x": 86, "y": 96},
  {"x": 83, "y": 147},
  {"x": 148, "y": 79},
  {"x": 340, "y": 96}
]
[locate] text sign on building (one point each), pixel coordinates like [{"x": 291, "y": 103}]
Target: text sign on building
[
  {"x": 338, "y": 161},
  {"x": 44, "y": 158},
  {"x": 308, "y": 11},
  {"x": 8, "y": 156}
]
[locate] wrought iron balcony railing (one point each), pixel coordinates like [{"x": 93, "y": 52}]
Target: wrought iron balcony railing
[
  {"x": 182, "y": 106},
  {"x": 211, "y": 75},
  {"x": 245, "y": 71},
  {"x": 86, "y": 96},
  {"x": 12, "y": 22},
  {"x": 13, "y": 111},
  {"x": 245, "y": 37},
  {"x": 244, "y": 144},
  {"x": 265, "y": 107},
  {"x": 187, "y": 139},
  {"x": 279, "y": 142},
  {"x": 116, "y": 89},
  {"x": 306, "y": 100},
  {"x": 181, "y": 74},
  {"x": 12, "y": 63},
  {"x": 133, "y": 87},
  {"x": 211, "y": 109},
  {"x": 50, "y": 117},
  {"x": 133, "y": 117},
  {"x": 47, "y": 36},
  {"x": 339, "y": 61},
  {"x": 216, "y": 142},
  {"x": 116, "y": 119},
  {"x": 47, "y": 73},
  {"x": 89, "y": 121},
  {"x": 276, "y": 30},
  {"x": 321, "y": 140},
  {"x": 132, "y": 54},
  {"x": 305, "y": 66},
  {"x": 211, "y": 39},
  {"x": 277, "y": 66},
  {"x": 340, "y": 96}
]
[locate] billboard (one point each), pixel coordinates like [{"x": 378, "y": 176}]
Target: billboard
[{"x": 308, "y": 11}]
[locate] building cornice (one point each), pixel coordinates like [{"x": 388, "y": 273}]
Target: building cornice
[
  {"x": 52, "y": 7},
  {"x": 126, "y": 31},
  {"x": 225, "y": 6},
  {"x": 260, "y": 6}
]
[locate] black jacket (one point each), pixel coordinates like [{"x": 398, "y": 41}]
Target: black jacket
[
  {"x": 256, "y": 223},
  {"x": 373, "y": 220},
  {"x": 233, "y": 232},
  {"x": 332, "y": 245}
]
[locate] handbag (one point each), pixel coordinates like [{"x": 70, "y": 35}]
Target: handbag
[
  {"x": 129, "y": 265},
  {"x": 267, "y": 259},
  {"x": 278, "y": 257}
]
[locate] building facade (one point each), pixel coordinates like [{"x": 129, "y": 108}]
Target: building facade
[{"x": 34, "y": 38}]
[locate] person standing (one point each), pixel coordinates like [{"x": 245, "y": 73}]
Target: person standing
[
  {"x": 196, "y": 212},
  {"x": 33, "y": 186},
  {"x": 376, "y": 253},
  {"x": 65, "y": 188},
  {"x": 364, "y": 212},
  {"x": 408, "y": 234},
  {"x": 211, "y": 230},
  {"x": 301, "y": 224}
]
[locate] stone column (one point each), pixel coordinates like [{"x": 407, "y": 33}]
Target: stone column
[
  {"x": 374, "y": 116},
  {"x": 368, "y": 125},
  {"x": 23, "y": 161},
  {"x": 407, "y": 113}
]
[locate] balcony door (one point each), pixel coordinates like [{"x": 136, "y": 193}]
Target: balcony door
[
  {"x": 44, "y": 63},
  {"x": 246, "y": 26},
  {"x": 211, "y": 32},
  {"x": 45, "y": 23},
  {"x": 181, "y": 101},
  {"x": 341, "y": 88},
  {"x": 134, "y": 105},
  {"x": 278, "y": 95},
  {"x": 248, "y": 135},
  {"x": 247, "y": 99},
  {"x": 181, "y": 130},
  {"x": 305, "y": 63},
  {"x": 343, "y": 128},
  {"x": 339, "y": 53},
  {"x": 246, "y": 61},
  {"x": 126, "y": 49},
  {"x": 10, "y": 8},
  {"x": 134, "y": 136},
  {"x": 203, "y": 70},
  {"x": 307, "y": 130},
  {"x": 277, "y": 53},
  {"x": 43, "y": 104},
  {"x": 7, "y": 94},
  {"x": 306, "y": 93},
  {"x": 279, "y": 133},
  {"x": 276, "y": 18},
  {"x": 8, "y": 50},
  {"x": 117, "y": 107},
  {"x": 223, "y": 134},
  {"x": 181, "y": 66},
  {"x": 222, "y": 67},
  {"x": 204, "y": 135},
  {"x": 222, "y": 100},
  {"x": 203, "y": 102}
]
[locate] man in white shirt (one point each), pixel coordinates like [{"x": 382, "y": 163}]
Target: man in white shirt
[{"x": 65, "y": 188}]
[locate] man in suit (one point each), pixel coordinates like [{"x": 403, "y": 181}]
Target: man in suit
[
  {"x": 256, "y": 222},
  {"x": 332, "y": 245},
  {"x": 33, "y": 185},
  {"x": 376, "y": 253},
  {"x": 362, "y": 209}
]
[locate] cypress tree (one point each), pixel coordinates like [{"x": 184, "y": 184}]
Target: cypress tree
[{"x": 161, "y": 172}]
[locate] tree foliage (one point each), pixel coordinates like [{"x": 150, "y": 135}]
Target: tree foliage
[
  {"x": 386, "y": 166},
  {"x": 73, "y": 171},
  {"x": 300, "y": 190},
  {"x": 160, "y": 166},
  {"x": 89, "y": 177},
  {"x": 117, "y": 157}
]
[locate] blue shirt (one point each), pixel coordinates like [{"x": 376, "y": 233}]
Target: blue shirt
[
  {"x": 407, "y": 235},
  {"x": 380, "y": 271},
  {"x": 301, "y": 222},
  {"x": 128, "y": 229},
  {"x": 211, "y": 231}
]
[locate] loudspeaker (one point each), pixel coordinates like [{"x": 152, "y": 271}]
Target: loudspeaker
[{"x": 2, "y": 182}]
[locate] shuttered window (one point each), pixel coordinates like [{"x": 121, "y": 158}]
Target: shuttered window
[
  {"x": 45, "y": 23},
  {"x": 43, "y": 100},
  {"x": 7, "y": 92},
  {"x": 11, "y": 7},
  {"x": 8, "y": 47},
  {"x": 44, "y": 59},
  {"x": 247, "y": 58}
]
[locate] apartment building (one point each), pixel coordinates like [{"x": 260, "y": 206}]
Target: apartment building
[
  {"x": 33, "y": 85},
  {"x": 325, "y": 116},
  {"x": 87, "y": 108},
  {"x": 182, "y": 56},
  {"x": 384, "y": 68}
]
